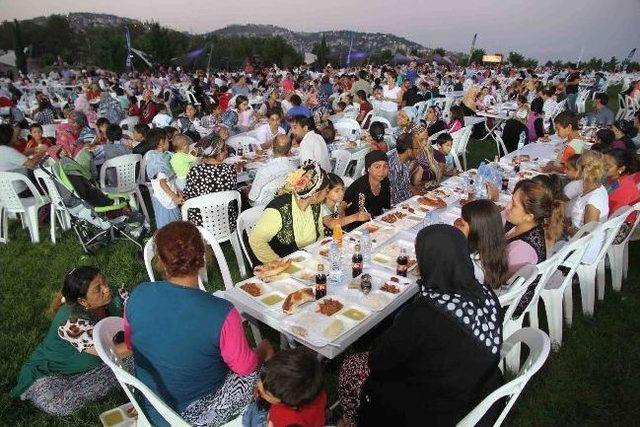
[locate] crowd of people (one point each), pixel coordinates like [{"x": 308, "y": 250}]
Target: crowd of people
[{"x": 430, "y": 365}]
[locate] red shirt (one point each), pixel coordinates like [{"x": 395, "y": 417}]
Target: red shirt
[
  {"x": 148, "y": 112},
  {"x": 310, "y": 415},
  {"x": 623, "y": 192},
  {"x": 365, "y": 107},
  {"x": 224, "y": 101}
]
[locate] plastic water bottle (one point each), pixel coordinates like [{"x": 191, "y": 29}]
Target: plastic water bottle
[
  {"x": 429, "y": 219},
  {"x": 335, "y": 276},
  {"x": 521, "y": 140},
  {"x": 365, "y": 245}
]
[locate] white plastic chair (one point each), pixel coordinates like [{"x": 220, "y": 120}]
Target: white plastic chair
[
  {"x": 127, "y": 181},
  {"x": 367, "y": 117},
  {"x": 247, "y": 143},
  {"x": 520, "y": 283},
  {"x": 619, "y": 254},
  {"x": 214, "y": 210},
  {"x": 420, "y": 108},
  {"x": 347, "y": 181},
  {"x": 103, "y": 334},
  {"x": 58, "y": 211},
  {"x": 382, "y": 120},
  {"x": 358, "y": 157},
  {"x": 622, "y": 107},
  {"x": 129, "y": 122},
  {"x": 539, "y": 348},
  {"x": 342, "y": 159},
  {"x": 247, "y": 220},
  {"x": 581, "y": 101},
  {"x": 593, "y": 274},
  {"x": 27, "y": 207},
  {"x": 459, "y": 147},
  {"x": 500, "y": 144},
  {"x": 557, "y": 292},
  {"x": 349, "y": 128}
]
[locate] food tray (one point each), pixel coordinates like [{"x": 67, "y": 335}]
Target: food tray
[
  {"x": 118, "y": 417},
  {"x": 401, "y": 218},
  {"x": 387, "y": 254},
  {"x": 377, "y": 299},
  {"x": 380, "y": 234},
  {"x": 309, "y": 325},
  {"x": 272, "y": 294}
]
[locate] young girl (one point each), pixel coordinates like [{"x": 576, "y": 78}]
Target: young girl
[
  {"x": 165, "y": 198},
  {"x": 102, "y": 124},
  {"x": 333, "y": 207},
  {"x": 290, "y": 386}
]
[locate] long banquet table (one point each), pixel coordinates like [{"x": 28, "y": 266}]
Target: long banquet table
[{"x": 386, "y": 241}]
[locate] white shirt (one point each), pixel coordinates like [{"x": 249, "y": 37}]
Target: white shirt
[
  {"x": 313, "y": 147},
  {"x": 599, "y": 199},
  {"x": 275, "y": 168},
  {"x": 391, "y": 93},
  {"x": 161, "y": 120},
  {"x": 11, "y": 160},
  {"x": 548, "y": 106},
  {"x": 263, "y": 133},
  {"x": 572, "y": 190}
]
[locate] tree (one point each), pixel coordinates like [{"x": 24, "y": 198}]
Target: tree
[
  {"x": 516, "y": 59},
  {"x": 440, "y": 51},
  {"x": 18, "y": 47},
  {"x": 476, "y": 55},
  {"x": 612, "y": 64},
  {"x": 322, "y": 51}
]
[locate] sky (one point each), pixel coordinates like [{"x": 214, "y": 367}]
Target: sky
[{"x": 541, "y": 29}]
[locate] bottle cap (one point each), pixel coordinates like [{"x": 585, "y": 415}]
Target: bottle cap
[
  {"x": 357, "y": 247},
  {"x": 320, "y": 267}
]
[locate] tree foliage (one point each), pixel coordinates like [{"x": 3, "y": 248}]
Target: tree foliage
[{"x": 18, "y": 47}]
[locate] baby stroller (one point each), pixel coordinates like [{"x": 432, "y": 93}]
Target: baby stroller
[{"x": 96, "y": 217}]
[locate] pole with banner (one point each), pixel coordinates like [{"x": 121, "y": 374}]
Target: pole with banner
[
  {"x": 128, "y": 65},
  {"x": 627, "y": 60},
  {"x": 349, "y": 54},
  {"x": 473, "y": 47}
]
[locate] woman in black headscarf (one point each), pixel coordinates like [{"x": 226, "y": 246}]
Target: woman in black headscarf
[{"x": 440, "y": 357}]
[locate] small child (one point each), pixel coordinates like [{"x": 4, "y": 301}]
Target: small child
[
  {"x": 445, "y": 142},
  {"x": 162, "y": 118},
  {"x": 102, "y": 124},
  {"x": 165, "y": 198},
  {"x": 290, "y": 386},
  {"x": 376, "y": 137},
  {"x": 333, "y": 207},
  {"x": 182, "y": 159},
  {"x": 574, "y": 188},
  {"x": 37, "y": 143}
]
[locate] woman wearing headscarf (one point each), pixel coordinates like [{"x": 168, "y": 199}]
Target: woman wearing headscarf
[
  {"x": 440, "y": 357},
  {"x": 210, "y": 176},
  {"x": 372, "y": 191},
  {"x": 293, "y": 219}
]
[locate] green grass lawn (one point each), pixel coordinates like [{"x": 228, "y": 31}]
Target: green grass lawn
[{"x": 592, "y": 380}]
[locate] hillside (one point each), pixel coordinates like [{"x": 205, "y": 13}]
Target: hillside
[{"x": 362, "y": 42}]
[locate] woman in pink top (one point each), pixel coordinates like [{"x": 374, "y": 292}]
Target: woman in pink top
[
  {"x": 534, "y": 222},
  {"x": 456, "y": 119}
]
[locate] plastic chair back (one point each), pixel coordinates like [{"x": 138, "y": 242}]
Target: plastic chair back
[
  {"x": 49, "y": 131},
  {"x": 129, "y": 122},
  {"x": 539, "y": 346},
  {"x": 9, "y": 199},
  {"x": 359, "y": 156},
  {"x": 103, "y": 334},
  {"x": 247, "y": 220},
  {"x": 214, "y": 210},
  {"x": 126, "y": 177},
  {"x": 382, "y": 120},
  {"x": 342, "y": 158},
  {"x": 49, "y": 187}
]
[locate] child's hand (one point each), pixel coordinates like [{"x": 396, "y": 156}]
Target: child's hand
[
  {"x": 363, "y": 216},
  {"x": 492, "y": 191}
]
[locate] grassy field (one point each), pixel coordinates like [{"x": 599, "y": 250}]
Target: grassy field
[{"x": 592, "y": 380}]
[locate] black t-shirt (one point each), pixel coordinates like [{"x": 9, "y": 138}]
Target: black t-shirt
[
  {"x": 572, "y": 78},
  {"x": 411, "y": 97},
  {"x": 372, "y": 203}
]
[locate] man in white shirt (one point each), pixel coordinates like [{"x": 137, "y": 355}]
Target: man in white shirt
[
  {"x": 268, "y": 131},
  {"x": 312, "y": 145},
  {"x": 276, "y": 168}
]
